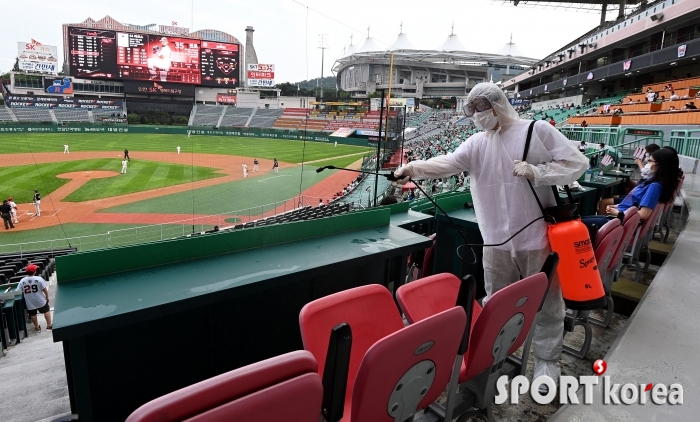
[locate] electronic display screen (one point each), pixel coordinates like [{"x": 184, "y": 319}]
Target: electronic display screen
[
  {"x": 100, "y": 54},
  {"x": 220, "y": 64},
  {"x": 158, "y": 58},
  {"x": 158, "y": 88},
  {"x": 93, "y": 53}
]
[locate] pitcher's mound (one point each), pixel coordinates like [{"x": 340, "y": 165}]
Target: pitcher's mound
[{"x": 98, "y": 174}]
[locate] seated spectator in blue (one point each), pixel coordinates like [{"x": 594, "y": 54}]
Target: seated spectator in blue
[{"x": 660, "y": 187}]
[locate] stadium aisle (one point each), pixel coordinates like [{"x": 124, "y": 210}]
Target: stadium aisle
[{"x": 33, "y": 374}]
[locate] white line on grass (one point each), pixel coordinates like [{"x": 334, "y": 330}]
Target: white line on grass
[{"x": 275, "y": 177}]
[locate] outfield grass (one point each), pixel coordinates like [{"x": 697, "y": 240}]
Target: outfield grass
[
  {"x": 20, "y": 181},
  {"x": 254, "y": 191},
  {"x": 284, "y": 150}
]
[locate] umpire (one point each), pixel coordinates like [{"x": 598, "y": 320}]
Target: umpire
[{"x": 5, "y": 210}]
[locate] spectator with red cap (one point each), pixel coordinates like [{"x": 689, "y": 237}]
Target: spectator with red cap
[{"x": 36, "y": 296}]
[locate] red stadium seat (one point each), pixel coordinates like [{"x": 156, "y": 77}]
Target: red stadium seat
[
  {"x": 608, "y": 242},
  {"x": 498, "y": 330},
  {"x": 392, "y": 371},
  {"x": 611, "y": 271},
  {"x": 285, "y": 387}
]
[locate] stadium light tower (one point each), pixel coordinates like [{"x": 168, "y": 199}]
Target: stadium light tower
[{"x": 323, "y": 45}]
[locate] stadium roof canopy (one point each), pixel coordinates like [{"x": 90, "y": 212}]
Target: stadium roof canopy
[{"x": 452, "y": 51}]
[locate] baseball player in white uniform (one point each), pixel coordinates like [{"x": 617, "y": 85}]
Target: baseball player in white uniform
[
  {"x": 36, "y": 295},
  {"x": 65, "y": 149},
  {"x": 245, "y": 171},
  {"x": 178, "y": 150},
  {"x": 160, "y": 63},
  {"x": 124, "y": 163},
  {"x": 13, "y": 211}
]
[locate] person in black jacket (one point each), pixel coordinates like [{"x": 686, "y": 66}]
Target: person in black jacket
[
  {"x": 5, "y": 209},
  {"x": 126, "y": 154}
]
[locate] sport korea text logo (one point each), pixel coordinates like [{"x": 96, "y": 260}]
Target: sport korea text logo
[{"x": 613, "y": 394}]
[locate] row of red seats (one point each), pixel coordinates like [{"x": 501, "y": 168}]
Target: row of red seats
[
  {"x": 617, "y": 242},
  {"x": 362, "y": 364}
]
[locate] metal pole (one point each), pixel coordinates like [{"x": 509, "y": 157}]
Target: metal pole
[
  {"x": 403, "y": 133},
  {"x": 379, "y": 143}
]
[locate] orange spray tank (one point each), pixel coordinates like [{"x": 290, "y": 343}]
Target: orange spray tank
[{"x": 581, "y": 285}]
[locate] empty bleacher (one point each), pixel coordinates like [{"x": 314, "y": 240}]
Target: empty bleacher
[
  {"x": 5, "y": 115},
  {"x": 265, "y": 117},
  {"x": 305, "y": 213},
  {"x": 206, "y": 115},
  {"x": 72, "y": 115},
  {"x": 32, "y": 114},
  {"x": 236, "y": 116},
  {"x": 291, "y": 118}
]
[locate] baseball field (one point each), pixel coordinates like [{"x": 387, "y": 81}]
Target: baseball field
[{"x": 163, "y": 194}]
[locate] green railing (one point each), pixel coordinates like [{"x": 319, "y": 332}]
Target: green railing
[
  {"x": 686, "y": 142},
  {"x": 595, "y": 135}
]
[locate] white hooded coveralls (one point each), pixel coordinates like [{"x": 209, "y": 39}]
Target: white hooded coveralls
[{"x": 504, "y": 204}]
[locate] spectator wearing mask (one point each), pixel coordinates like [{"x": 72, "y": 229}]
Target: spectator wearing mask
[{"x": 649, "y": 192}]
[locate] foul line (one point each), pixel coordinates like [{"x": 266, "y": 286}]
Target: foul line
[{"x": 275, "y": 177}]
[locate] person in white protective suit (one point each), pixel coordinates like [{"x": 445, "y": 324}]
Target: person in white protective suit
[{"x": 504, "y": 202}]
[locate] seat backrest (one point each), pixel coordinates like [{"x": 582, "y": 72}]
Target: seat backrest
[
  {"x": 263, "y": 391},
  {"x": 605, "y": 230},
  {"x": 409, "y": 369},
  {"x": 371, "y": 313},
  {"x": 430, "y": 295},
  {"x": 629, "y": 227},
  {"x": 608, "y": 245},
  {"x": 504, "y": 323},
  {"x": 651, "y": 221},
  {"x": 429, "y": 258}
]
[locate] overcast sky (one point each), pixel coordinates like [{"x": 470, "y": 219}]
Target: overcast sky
[{"x": 287, "y": 36}]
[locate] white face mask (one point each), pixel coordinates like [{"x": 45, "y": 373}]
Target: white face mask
[{"x": 485, "y": 120}]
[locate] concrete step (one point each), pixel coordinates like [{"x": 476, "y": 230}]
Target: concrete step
[
  {"x": 659, "y": 251},
  {"x": 626, "y": 295}
]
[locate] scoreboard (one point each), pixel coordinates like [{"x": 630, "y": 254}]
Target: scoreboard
[{"x": 102, "y": 54}]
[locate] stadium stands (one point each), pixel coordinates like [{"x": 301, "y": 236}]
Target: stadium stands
[
  {"x": 32, "y": 115},
  {"x": 6, "y": 115},
  {"x": 13, "y": 310},
  {"x": 236, "y": 116},
  {"x": 207, "y": 115},
  {"x": 635, "y": 109},
  {"x": 72, "y": 115},
  {"x": 291, "y": 118},
  {"x": 265, "y": 117},
  {"x": 305, "y": 213}
]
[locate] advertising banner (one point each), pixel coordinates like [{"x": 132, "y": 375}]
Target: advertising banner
[
  {"x": 158, "y": 88},
  {"x": 58, "y": 86},
  {"x": 343, "y": 132},
  {"x": 261, "y": 74},
  {"x": 23, "y": 101},
  {"x": 225, "y": 99},
  {"x": 35, "y": 57}
]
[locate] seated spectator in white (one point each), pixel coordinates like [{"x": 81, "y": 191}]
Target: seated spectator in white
[
  {"x": 674, "y": 97},
  {"x": 672, "y": 108},
  {"x": 650, "y": 95},
  {"x": 629, "y": 101}
]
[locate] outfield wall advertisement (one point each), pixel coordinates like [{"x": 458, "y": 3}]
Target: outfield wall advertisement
[
  {"x": 21, "y": 101},
  {"x": 170, "y": 130}
]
